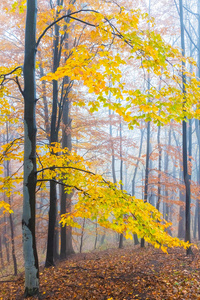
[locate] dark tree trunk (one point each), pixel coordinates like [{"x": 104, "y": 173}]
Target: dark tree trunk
[
  {"x": 112, "y": 149},
  {"x": 53, "y": 139},
  {"x": 30, "y": 178},
  {"x": 148, "y": 143},
  {"x": 51, "y": 226},
  {"x": 137, "y": 164},
  {"x": 184, "y": 128},
  {"x": 121, "y": 237},
  {"x": 82, "y": 235},
  {"x": 197, "y": 127},
  {"x": 66, "y": 231},
  {"x": 198, "y": 222},
  {"x": 136, "y": 241},
  {"x": 56, "y": 251},
  {"x": 146, "y": 171},
  {"x": 5, "y": 237},
  {"x": 65, "y": 201},
  {"x": 46, "y": 110},
  {"x": 197, "y": 123},
  {"x": 13, "y": 245},
  {"x": 103, "y": 239},
  {"x": 11, "y": 216},
  {"x": 181, "y": 224},
  {"x": 195, "y": 221},
  {"x": 159, "y": 169},
  {"x": 96, "y": 235},
  {"x": 1, "y": 250},
  {"x": 166, "y": 194}
]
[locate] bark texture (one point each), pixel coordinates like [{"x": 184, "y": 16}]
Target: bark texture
[{"x": 29, "y": 185}]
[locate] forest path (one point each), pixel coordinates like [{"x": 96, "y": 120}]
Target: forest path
[{"x": 117, "y": 274}]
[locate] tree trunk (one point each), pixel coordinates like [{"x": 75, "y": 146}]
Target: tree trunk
[
  {"x": 166, "y": 194},
  {"x": 148, "y": 143},
  {"x": 198, "y": 222},
  {"x": 30, "y": 176},
  {"x": 136, "y": 167},
  {"x": 82, "y": 235},
  {"x": 197, "y": 127},
  {"x": 53, "y": 139},
  {"x": 112, "y": 149},
  {"x": 46, "y": 110},
  {"x": 66, "y": 231},
  {"x": 181, "y": 224},
  {"x": 102, "y": 239},
  {"x": 184, "y": 136},
  {"x": 136, "y": 241},
  {"x": 1, "y": 250},
  {"x": 13, "y": 244},
  {"x": 51, "y": 226},
  {"x": 146, "y": 171},
  {"x": 121, "y": 237},
  {"x": 195, "y": 221},
  {"x": 198, "y": 122},
  {"x": 10, "y": 216},
  {"x": 159, "y": 169},
  {"x": 5, "y": 237},
  {"x": 96, "y": 235}
]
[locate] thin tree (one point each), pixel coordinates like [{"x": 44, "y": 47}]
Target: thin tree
[
  {"x": 66, "y": 247},
  {"x": 136, "y": 241},
  {"x": 146, "y": 182},
  {"x": 10, "y": 216},
  {"x": 184, "y": 141},
  {"x": 121, "y": 237}
]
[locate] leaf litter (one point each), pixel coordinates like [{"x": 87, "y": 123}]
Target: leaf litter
[{"x": 130, "y": 273}]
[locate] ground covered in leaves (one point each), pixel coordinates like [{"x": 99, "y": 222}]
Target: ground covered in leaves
[{"x": 130, "y": 273}]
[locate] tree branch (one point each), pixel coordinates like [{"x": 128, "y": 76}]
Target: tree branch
[
  {"x": 68, "y": 167},
  {"x": 19, "y": 85},
  {"x": 61, "y": 183},
  {"x": 191, "y": 12},
  {"x": 185, "y": 27},
  {"x": 67, "y": 16},
  {"x": 11, "y": 72}
]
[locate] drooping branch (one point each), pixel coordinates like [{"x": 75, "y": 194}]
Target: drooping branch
[
  {"x": 67, "y": 16},
  {"x": 4, "y": 78},
  {"x": 9, "y": 146},
  {"x": 16, "y": 79},
  {"x": 61, "y": 183},
  {"x": 11, "y": 72},
  {"x": 115, "y": 31}
]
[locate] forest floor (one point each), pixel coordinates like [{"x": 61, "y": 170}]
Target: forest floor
[{"x": 130, "y": 273}]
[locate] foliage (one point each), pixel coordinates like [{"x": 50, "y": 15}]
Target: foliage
[
  {"x": 100, "y": 70},
  {"x": 5, "y": 206},
  {"x": 10, "y": 152},
  {"x": 100, "y": 199}
]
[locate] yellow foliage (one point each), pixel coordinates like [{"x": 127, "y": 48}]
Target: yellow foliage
[
  {"x": 100, "y": 199},
  {"x": 5, "y": 206},
  {"x": 100, "y": 70}
]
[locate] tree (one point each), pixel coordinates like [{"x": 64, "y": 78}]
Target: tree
[
  {"x": 30, "y": 175},
  {"x": 184, "y": 124}
]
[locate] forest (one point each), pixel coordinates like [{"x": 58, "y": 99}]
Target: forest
[{"x": 100, "y": 149}]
